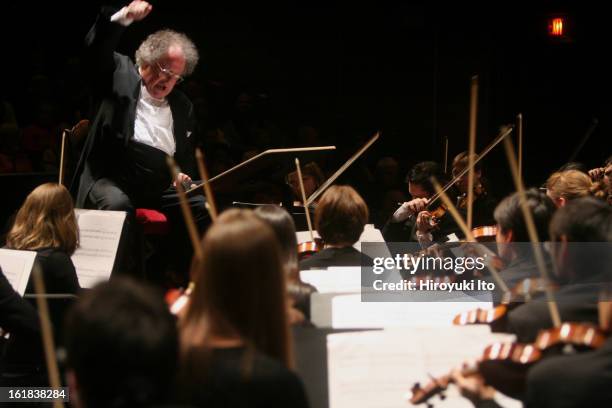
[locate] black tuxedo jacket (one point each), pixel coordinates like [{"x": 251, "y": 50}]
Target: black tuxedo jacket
[{"x": 116, "y": 84}]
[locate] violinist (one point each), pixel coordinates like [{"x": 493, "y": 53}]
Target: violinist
[
  {"x": 312, "y": 177},
  {"x": 45, "y": 223},
  {"x": 121, "y": 347},
  {"x": 401, "y": 224},
  {"x": 284, "y": 228},
  {"x": 235, "y": 343},
  {"x": 340, "y": 218},
  {"x": 483, "y": 205},
  {"x": 567, "y": 185},
  {"x": 587, "y": 384},
  {"x": 512, "y": 239},
  {"x": 580, "y": 233}
]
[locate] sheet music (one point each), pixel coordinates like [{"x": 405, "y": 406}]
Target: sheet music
[
  {"x": 334, "y": 279},
  {"x": 378, "y": 368},
  {"x": 347, "y": 311},
  {"x": 17, "y": 267},
  {"x": 99, "y": 235}
]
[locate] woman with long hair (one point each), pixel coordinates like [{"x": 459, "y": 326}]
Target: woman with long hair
[
  {"x": 567, "y": 185},
  {"x": 284, "y": 228},
  {"x": 235, "y": 339},
  {"x": 46, "y": 223}
]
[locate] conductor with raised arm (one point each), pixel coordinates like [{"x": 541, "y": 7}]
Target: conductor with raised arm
[{"x": 141, "y": 119}]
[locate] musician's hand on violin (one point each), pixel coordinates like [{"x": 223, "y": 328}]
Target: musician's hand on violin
[
  {"x": 597, "y": 174},
  {"x": 417, "y": 205},
  {"x": 138, "y": 9},
  {"x": 185, "y": 180},
  {"x": 472, "y": 387},
  {"x": 424, "y": 222}
]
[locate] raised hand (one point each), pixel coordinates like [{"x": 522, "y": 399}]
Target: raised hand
[{"x": 138, "y": 9}]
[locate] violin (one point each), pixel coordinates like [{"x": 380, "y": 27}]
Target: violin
[
  {"x": 440, "y": 210},
  {"x": 496, "y": 317},
  {"x": 516, "y": 358},
  {"x": 517, "y": 353},
  {"x": 308, "y": 248}
]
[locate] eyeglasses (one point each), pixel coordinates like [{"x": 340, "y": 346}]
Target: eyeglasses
[{"x": 170, "y": 74}]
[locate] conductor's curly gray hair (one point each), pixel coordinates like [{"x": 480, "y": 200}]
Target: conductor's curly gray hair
[{"x": 156, "y": 46}]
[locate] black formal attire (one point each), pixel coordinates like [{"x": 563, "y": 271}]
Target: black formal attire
[
  {"x": 115, "y": 171},
  {"x": 219, "y": 379},
  {"x": 24, "y": 362},
  {"x": 347, "y": 256}
]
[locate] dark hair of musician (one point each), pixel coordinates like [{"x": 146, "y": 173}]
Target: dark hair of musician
[
  {"x": 284, "y": 228},
  {"x": 122, "y": 345},
  {"x": 46, "y": 219},
  {"x": 509, "y": 216},
  {"x": 586, "y": 225},
  {"x": 311, "y": 169},
  {"x": 461, "y": 161},
  {"x": 585, "y": 219},
  {"x": 239, "y": 292},
  {"x": 421, "y": 174},
  {"x": 578, "y": 166},
  {"x": 341, "y": 215}
]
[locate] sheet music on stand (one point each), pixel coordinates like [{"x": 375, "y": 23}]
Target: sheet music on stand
[
  {"x": 17, "y": 267},
  {"x": 348, "y": 311},
  {"x": 99, "y": 235},
  {"x": 378, "y": 368}
]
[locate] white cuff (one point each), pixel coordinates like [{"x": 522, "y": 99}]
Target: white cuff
[
  {"x": 121, "y": 17},
  {"x": 401, "y": 214}
]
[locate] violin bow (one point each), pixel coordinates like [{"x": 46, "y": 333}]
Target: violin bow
[
  {"x": 210, "y": 199},
  {"x": 47, "y": 332},
  {"x": 505, "y": 131},
  {"x": 191, "y": 228},
  {"x": 306, "y": 209},
  {"x": 468, "y": 233},
  {"x": 472, "y": 149},
  {"x": 533, "y": 234},
  {"x": 519, "y": 131},
  {"x": 61, "y": 164},
  {"x": 584, "y": 139},
  {"x": 341, "y": 170},
  {"x": 445, "y": 154}
]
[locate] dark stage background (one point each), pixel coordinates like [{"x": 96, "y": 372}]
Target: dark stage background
[{"x": 335, "y": 74}]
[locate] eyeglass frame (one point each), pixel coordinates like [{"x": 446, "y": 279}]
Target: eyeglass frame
[{"x": 178, "y": 78}]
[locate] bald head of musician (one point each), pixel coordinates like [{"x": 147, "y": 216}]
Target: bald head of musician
[{"x": 512, "y": 237}]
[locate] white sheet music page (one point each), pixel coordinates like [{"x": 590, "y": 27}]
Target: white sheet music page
[
  {"x": 378, "y": 368},
  {"x": 17, "y": 267},
  {"x": 347, "y": 311},
  {"x": 99, "y": 234},
  {"x": 334, "y": 279}
]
